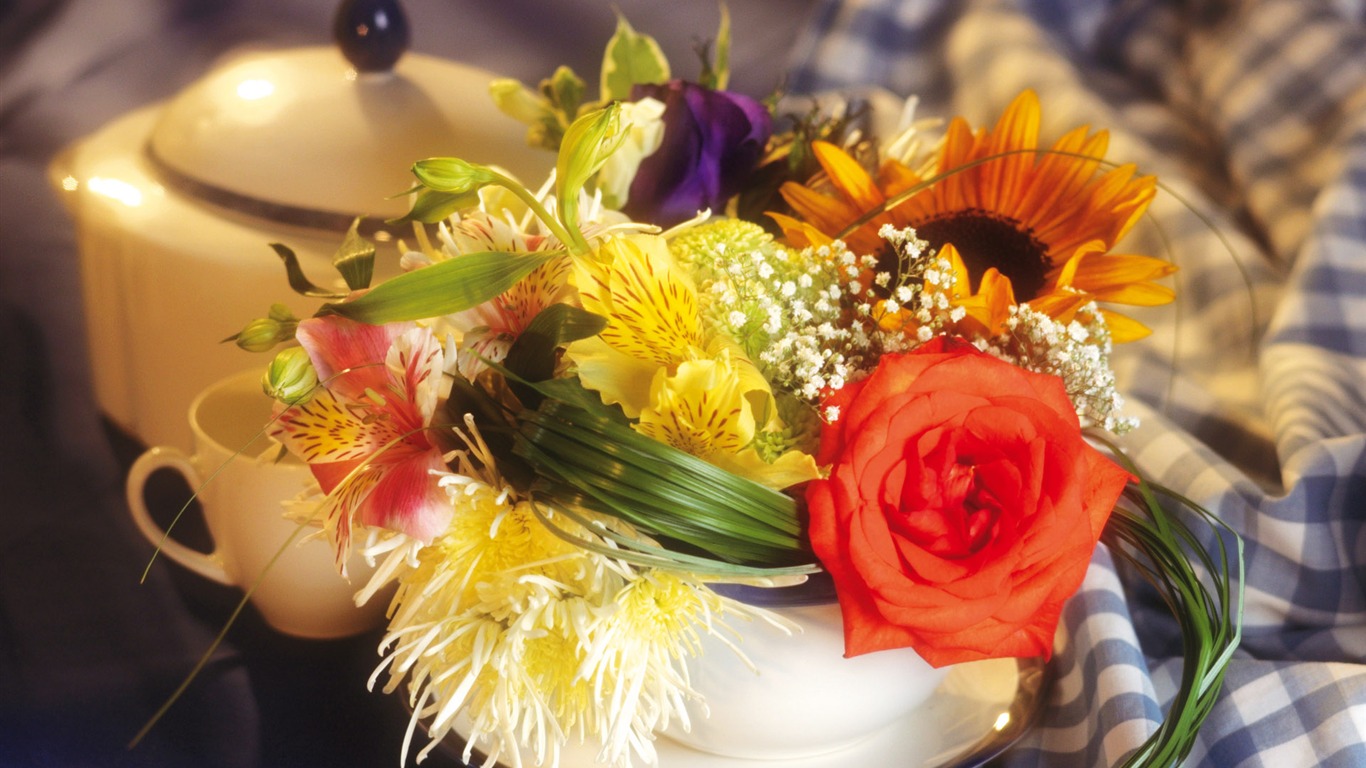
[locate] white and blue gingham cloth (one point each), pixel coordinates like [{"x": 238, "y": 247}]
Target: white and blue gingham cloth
[{"x": 1252, "y": 391}]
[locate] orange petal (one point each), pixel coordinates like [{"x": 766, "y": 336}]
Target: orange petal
[
  {"x": 1061, "y": 175},
  {"x": 1123, "y": 328},
  {"x": 1137, "y": 294},
  {"x": 1004, "y": 179},
  {"x": 1105, "y": 271},
  {"x": 798, "y": 233},
  {"x": 999, "y": 296},
  {"x": 848, "y": 176},
  {"x": 961, "y": 280},
  {"x": 956, "y": 190},
  {"x": 823, "y": 212}
]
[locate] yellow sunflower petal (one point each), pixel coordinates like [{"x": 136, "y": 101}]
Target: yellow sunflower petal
[
  {"x": 1060, "y": 175},
  {"x": 1137, "y": 294},
  {"x": 826, "y": 213},
  {"x": 1124, "y": 328},
  {"x": 956, "y": 190},
  {"x": 1108, "y": 271},
  {"x": 961, "y": 284},
  {"x": 999, "y": 296},
  {"x": 1003, "y": 179},
  {"x": 848, "y": 176},
  {"x": 798, "y": 233},
  {"x": 1061, "y": 305}
]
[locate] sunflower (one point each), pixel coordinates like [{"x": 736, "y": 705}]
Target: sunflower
[{"x": 1029, "y": 226}]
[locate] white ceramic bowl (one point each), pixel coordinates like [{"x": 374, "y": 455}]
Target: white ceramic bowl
[{"x": 805, "y": 698}]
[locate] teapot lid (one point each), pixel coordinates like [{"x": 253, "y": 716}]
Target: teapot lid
[{"x": 307, "y": 137}]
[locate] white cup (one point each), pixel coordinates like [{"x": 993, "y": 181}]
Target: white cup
[{"x": 243, "y": 495}]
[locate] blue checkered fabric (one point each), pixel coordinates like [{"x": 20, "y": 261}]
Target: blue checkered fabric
[{"x": 1252, "y": 390}]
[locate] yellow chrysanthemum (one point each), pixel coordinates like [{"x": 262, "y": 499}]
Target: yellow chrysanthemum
[{"x": 1032, "y": 226}]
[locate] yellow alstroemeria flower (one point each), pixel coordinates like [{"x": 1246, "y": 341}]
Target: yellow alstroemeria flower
[
  {"x": 653, "y": 322},
  {"x": 652, "y": 318},
  {"x": 702, "y": 410}
]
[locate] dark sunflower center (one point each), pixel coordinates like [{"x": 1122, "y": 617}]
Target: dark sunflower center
[{"x": 987, "y": 240}]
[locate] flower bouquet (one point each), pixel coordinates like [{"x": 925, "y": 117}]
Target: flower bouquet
[{"x": 722, "y": 349}]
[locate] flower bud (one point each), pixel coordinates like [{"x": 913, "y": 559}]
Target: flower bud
[
  {"x": 261, "y": 335},
  {"x": 290, "y": 378},
  {"x": 281, "y": 313}
]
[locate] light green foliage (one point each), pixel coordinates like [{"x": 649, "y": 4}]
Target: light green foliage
[{"x": 631, "y": 58}]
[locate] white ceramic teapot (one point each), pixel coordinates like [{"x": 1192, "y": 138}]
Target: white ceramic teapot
[{"x": 176, "y": 204}]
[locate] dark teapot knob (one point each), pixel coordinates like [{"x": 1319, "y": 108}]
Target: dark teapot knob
[{"x": 372, "y": 34}]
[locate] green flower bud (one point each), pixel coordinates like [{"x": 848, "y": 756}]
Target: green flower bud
[
  {"x": 290, "y": 378},
  {"x": 451, "y": 174},
  {"x": 261, "y": 335},
  {"x": 281, "y": 313}
]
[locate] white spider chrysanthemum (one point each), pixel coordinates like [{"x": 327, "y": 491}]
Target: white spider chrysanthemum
[
  {"x": 637, "y": 656},
  {"x": 528, "y": 642}
]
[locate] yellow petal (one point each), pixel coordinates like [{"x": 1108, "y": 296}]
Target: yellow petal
[
  {"x": 825, "y": 213},
  {"x": 962, "y": 283},
  {"x": 1123, "y": 329},
  {"x": 700, "y": 409},
  {"x": 650, "y": 305},
  {"x": 798, "y": 233},
  {"x": 1121, "y": 268},
  {"x": 1003, "y": 180},
  {"x": 848, "y": 176},
  {"x": 998, "y": 297},
  {"x": 619, "y": 378},
  {"x": 789, "y": 469}
]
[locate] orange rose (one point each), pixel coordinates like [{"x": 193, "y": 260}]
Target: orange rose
[{"x": 961, "y": 508}]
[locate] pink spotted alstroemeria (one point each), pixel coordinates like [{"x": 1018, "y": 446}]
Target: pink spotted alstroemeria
[
  {"x": 489, "y": 329},
  {"x": 364, "y": 433}
]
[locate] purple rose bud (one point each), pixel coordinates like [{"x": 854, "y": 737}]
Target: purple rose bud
[{"x": 712, "y": 141}]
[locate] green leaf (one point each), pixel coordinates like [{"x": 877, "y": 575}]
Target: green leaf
[
  {"x": 721, "y": 67},
  {"x": 716, "y": 73},
  {"x": 631, "y": 58},
  {"x": 565, "y": 323},
  {"x": 442, "y": 288},
  {"x": 1203, "y": 588},
  {"x": 297, "y": 280},
  {"x": 565, "y": 90},
  {"x": 532, "y": 356},
  {"x": 355, "y": 258},
  {"x": 659, "y": 489},
  {"x": 451, "y": 174},
  {"x": 518, "y": 101},
  {"x": 645, "y": 555},
  {"x": 430, "y": 207}
]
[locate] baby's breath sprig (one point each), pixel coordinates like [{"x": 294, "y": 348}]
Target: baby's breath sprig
[
  {"x": 817, "y": 318},
  {"x": 1078, "y": 352}
]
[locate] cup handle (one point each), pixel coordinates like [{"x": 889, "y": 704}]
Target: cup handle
[{"x": 206, "y": 565}]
